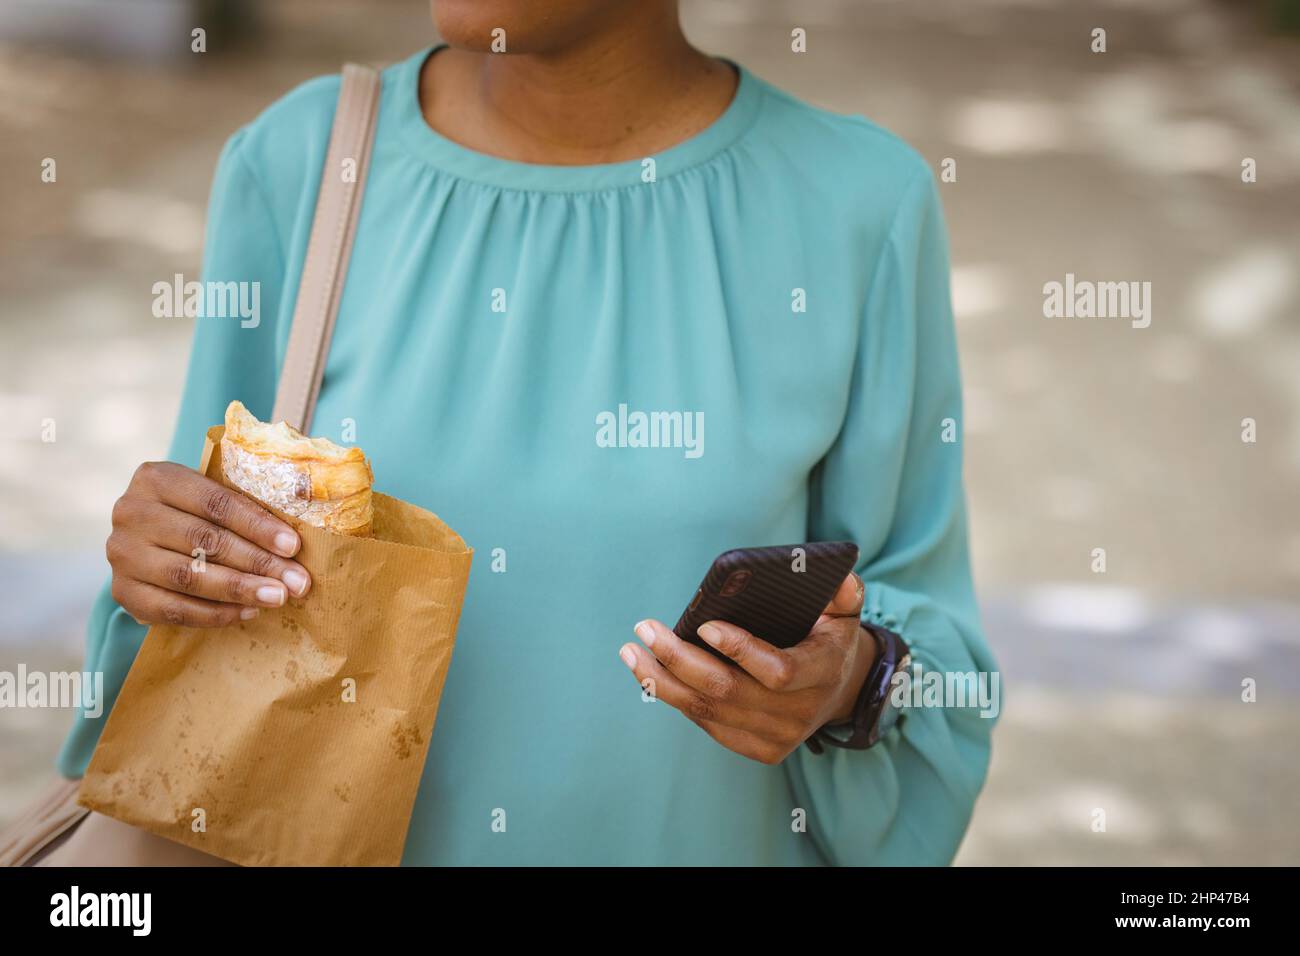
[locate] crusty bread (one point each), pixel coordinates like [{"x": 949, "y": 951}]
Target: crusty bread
[{"x": 322, "y": 483}]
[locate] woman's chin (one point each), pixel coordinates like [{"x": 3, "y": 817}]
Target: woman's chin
[{"x": 513, "y": 26}]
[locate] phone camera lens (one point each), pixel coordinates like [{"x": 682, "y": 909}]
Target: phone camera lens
[{"x": 735, "y": 583}]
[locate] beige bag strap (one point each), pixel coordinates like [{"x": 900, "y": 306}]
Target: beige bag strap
[
  {"x": 52, "y": 814},
  {"x": 329, "y": 247}
]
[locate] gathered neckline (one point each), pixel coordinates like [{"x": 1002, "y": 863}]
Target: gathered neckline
[{"x": 470, "y": 164}]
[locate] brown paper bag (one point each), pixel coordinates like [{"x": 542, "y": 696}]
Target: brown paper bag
[{"x": 297, "y": 738}]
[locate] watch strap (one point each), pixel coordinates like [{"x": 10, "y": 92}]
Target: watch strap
[{"x": 872, "y": 698}]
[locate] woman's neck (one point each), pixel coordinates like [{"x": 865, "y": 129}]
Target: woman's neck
[{"x": 629, "y": 92}]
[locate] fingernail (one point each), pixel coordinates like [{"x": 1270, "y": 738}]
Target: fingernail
[
  {"x": 628, "y": 655},
  {"x": 247, "y": 613},
  {"x": 710, "y": 634},
  {"x": 296, "y": 580},
  {"x": 271, "y": 595},
  {"x": 646, "y": 632},
  {"x": 286, "y": 542}
]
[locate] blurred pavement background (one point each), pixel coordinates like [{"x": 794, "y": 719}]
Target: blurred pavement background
[{"x": 1123, "y": 688}]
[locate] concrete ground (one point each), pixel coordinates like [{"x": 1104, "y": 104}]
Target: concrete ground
[{"x": 1123, "y": 688}]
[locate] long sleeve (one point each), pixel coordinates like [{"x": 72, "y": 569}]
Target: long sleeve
[
  {"x": 893, "y": 483},
  {"x": 231, "y": 357}
]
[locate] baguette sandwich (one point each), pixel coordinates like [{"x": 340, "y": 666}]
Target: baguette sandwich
[{"x": 312, "y": 479}]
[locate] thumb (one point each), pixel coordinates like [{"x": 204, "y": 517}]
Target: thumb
[{"x": 847, "y": 601}]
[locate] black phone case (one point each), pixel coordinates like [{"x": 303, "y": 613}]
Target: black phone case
[{"x": 760, "y": 590}]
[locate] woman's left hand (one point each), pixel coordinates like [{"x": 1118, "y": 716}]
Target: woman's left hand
[{"x": 771, "y": 700}]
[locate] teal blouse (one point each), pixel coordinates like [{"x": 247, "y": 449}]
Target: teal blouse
[{"x": 782, "y": 279}]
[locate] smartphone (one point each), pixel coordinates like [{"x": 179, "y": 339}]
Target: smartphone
[{"x": 776, "y": 593}]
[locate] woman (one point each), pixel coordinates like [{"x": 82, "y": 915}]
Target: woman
[{"x": 602, "y": 216}]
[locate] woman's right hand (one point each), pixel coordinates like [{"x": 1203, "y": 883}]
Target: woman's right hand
[{"x": 188, "y": 551}]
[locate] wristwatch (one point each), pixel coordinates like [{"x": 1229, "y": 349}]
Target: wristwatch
[{"x": 874, "y": 711}]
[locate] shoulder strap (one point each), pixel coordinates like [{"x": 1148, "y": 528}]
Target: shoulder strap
[{"x": 329, "y": 247}]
